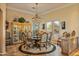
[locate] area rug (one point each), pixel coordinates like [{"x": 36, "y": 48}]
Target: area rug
[{"x": 37, "y": 51}]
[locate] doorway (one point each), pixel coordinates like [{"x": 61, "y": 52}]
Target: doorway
[{"x": 54, "y": 27}]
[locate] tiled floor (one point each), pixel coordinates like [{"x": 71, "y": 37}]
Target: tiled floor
[
  {"x": 13, "y": 51},
  {"x": 75, "y": 53}
]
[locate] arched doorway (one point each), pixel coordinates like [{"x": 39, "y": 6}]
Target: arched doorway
[{"x": 54, "y": 27}]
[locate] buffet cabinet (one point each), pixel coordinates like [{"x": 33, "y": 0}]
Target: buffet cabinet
[
  {"x": 15, "y": 32},
  {"x": 17, "y": 29}
]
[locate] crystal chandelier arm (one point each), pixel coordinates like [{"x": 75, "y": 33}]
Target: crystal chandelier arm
[
  {"x": 36, "y": 17},
  {"x": 36, "y": 8}
]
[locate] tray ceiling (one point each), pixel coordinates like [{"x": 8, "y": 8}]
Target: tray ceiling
[{"x": 42, "y": 7}]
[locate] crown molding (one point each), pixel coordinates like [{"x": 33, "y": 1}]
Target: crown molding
[
  {"x": 56, "y": 9},
  {"x": 41, "y": 13},
  {"x": 20, "y": 10}
]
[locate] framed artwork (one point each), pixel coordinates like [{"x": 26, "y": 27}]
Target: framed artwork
[
  {"x": 43, "y": 27},
  {"x": 15, "y": 19},
  {"x": 7, "y": 25},
  {"x": 63, "y": 25}
]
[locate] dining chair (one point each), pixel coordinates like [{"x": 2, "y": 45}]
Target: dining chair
[
  {"x": 29, "y": 35},
  {"x": 44, "y": 40},
  {"x": 29, "y": 39},
  {"x": 24, "y": 36},
  {"x": 26, "y": 40},
  {"x": 49, "y": 38}
]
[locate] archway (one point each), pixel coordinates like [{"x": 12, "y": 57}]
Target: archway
[{"x": 54, "y": 26}]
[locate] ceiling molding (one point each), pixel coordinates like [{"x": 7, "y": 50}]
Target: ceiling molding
[
  {"x": 20, "y": 10},
  {"x": 56, "y": 9},
  {"x": 41, "y": 13}
]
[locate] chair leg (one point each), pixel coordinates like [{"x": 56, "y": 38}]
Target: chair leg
[
  {"x": 49, "y": 44},
  {"x": 40, "y": 48},
  {"x": 27, "y": 47},
  {"x": 24, "y": 46},
  {"x": 46, "y": 47}
]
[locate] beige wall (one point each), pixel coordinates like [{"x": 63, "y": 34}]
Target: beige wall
[
  {"x": 2, "y": 28},
  {"x": 69, "y": 14},
  {"x": 11, "y": 14}
]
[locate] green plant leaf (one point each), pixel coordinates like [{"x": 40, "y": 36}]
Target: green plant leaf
[{"x": 21, "y": 20}]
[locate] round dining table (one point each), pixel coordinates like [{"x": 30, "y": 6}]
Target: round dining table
[{"x": 36, "y": 40}]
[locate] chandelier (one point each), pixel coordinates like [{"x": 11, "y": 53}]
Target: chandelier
[{"x": 36, "y": 17}]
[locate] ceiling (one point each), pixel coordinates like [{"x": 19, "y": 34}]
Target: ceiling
[{"x": 42, "y": 7}]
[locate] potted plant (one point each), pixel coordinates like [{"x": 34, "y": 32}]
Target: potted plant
[{"x": 21, "y": 20}]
